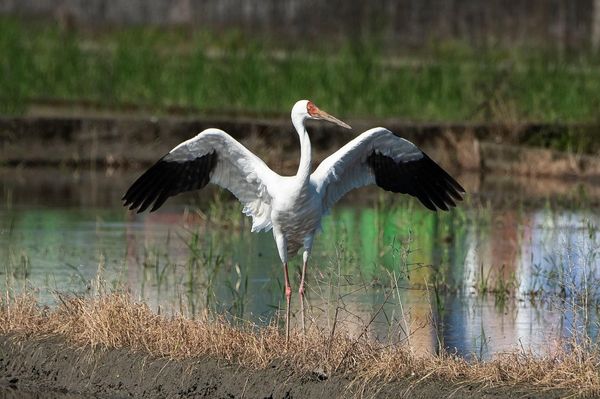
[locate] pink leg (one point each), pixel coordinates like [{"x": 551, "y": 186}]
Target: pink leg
[
  {"x": 301, "y": 292},
  {"x": 288, "y": 296}
]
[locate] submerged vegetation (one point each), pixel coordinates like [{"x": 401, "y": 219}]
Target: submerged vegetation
[
  {"x": 195, "y": 71},
  {"x": 416, "y": 271}
]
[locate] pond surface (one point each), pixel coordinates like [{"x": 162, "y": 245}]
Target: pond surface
[{"x": 492, "y": 275}]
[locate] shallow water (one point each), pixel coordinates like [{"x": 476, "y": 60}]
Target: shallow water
[{"x": 478, "y": 280}]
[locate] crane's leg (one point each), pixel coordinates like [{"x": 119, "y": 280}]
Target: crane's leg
[
  {"x": 307, "y": 248},
  {"x": 288, "y": 297},
  {"x": 282, "y": 249},
  {"x": 301, "y": 289}
]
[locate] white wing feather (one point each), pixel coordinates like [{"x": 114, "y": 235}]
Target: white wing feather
[
  {"x": 347, "y": 168},
  {"x": 213, "y": 156},
  {"x": 238, "y": 170}
]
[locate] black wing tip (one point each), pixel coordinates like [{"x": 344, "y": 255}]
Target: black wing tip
[
  {"x": 167, "y": 178},
  {"x": 140, "y": 205},
  {"x": 422, "y": 178}
]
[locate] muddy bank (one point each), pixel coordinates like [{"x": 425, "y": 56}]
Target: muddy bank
[
  {"x": 45, "y": 186},
  {"x": 122, "y": 141},
  {"x": 51, "y": 364}
]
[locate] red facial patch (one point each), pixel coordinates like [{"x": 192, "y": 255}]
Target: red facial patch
[{"x": 312, "y": 109}]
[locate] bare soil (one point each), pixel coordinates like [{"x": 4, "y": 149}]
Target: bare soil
[{"x": 51, "y": 365}]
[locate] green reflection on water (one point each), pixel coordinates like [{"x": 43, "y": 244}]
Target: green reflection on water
[
  {"x": 188, "y": 262},
  {"x": 63, "y": 241},
  {"x": 432, "y": 243}
]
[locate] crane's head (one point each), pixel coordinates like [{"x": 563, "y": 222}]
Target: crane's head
[{"x": 305, "y": 109}]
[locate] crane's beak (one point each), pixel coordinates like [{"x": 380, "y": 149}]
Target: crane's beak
[{"x": 326, "y": 117}]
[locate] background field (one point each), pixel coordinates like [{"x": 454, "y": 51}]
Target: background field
[{"x": 192, "y": 72}]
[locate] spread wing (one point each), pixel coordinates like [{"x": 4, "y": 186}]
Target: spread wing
[
  {"x": 212, "y": 156},
  {"x": 379, "y": 157}
]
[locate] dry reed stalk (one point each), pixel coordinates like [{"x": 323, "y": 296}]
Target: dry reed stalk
[{"x": 117, "y": 321}]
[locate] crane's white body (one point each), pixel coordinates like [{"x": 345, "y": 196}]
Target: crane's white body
[{"x": 292, "y": 206}]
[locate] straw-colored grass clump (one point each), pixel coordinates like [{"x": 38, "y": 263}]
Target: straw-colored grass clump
[{"x": 117, "y": 321}]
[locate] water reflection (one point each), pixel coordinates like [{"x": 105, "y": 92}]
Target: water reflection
[{"x": 478, "y": 280}]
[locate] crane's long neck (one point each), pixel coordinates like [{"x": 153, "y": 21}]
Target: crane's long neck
[{"x": 305, "y": 150}]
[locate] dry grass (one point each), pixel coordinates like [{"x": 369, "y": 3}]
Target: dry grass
[{"x": 117, "y": 321}]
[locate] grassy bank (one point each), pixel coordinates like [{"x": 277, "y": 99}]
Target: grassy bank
[
  {"x": 162, "y": 70},
  {"x": 116, "y": 321}
]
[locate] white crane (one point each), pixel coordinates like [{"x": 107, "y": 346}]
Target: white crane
[{"x": 293, "y": 205}]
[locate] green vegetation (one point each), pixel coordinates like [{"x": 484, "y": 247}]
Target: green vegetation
[{"x": 162, "y": 71}]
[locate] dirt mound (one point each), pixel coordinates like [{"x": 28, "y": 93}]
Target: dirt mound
[{"x": 51, "y": 364}]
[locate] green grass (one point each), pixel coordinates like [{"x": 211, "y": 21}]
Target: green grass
[{"x": 159, "y": 70}]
